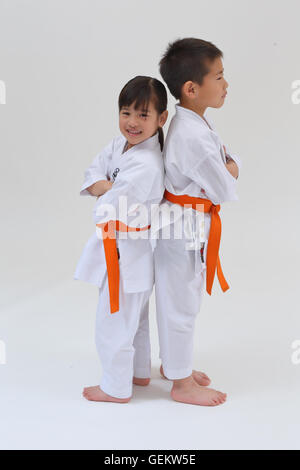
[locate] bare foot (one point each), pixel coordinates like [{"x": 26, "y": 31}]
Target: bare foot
[
  {"x": 142, "y": 382},
  {"x": 201, "y": 378},
  {"x": 189, "y": 391},
  {"x": 96, "y": 394},
  {"x": 198, "y": 376}
]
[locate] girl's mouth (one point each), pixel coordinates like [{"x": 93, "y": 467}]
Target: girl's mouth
[{"x": 134, "y": 133}]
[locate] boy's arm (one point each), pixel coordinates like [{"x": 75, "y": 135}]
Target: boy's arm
[
  {"x": 204, "y": 165},
  {"x": 234, "y": 163}
]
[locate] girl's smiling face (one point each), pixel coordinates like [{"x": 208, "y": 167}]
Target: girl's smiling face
[{"x": 138, "y": 125}]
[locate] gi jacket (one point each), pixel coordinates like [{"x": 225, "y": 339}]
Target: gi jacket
[
  {"x": 138, "y": 176},
  {"x": 194, "y": 161}
]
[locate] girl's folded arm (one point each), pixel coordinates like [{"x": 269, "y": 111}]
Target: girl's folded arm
[
  {"x": 129, "y": 190},
  {"x": 99, "y": 188},
  {"x": 98, "y": 172}
]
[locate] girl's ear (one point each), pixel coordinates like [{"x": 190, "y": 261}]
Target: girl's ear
[{"x": 163, "y": 118}]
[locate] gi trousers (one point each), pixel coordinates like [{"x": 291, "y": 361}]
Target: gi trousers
[
  {"x": 179, "y": 286},
  {"x": 123, "y": 340}
]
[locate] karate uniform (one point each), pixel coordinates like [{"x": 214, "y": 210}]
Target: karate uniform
[
  {"x": 194, "y": 161},
  {"x": 122, "y": 338}
]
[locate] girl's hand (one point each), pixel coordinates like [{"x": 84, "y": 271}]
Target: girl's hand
[
  {"x": 100, "y": 187},
  {"x": 105, "y": 187},
  {"x": 109, "y": 185}
]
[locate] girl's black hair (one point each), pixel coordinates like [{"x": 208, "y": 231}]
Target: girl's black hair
[{"x": 141, "y": 90}]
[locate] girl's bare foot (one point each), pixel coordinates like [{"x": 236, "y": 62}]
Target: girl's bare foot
[
  {"x": 189, "y": 391},
  {"x": 96, "y": 394},
  {"x": 142, "y": 382},
  {"x": 199, "y": 377}
]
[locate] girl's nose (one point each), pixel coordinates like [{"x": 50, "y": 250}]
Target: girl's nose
[{"x": 132, "y": 122}]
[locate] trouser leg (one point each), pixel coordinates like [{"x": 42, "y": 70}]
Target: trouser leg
[
  {"x": 115, "y": 334},
  {"x": 142, "y": 356},
  {"x": 178, "y": 298}
]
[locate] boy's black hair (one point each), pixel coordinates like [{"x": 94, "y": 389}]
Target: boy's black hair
[
  {"x": 141, "y": 90},
  {"x": 187, "y": 59}
]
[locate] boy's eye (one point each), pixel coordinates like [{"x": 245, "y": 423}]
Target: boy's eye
[
  {"x": 125, "y": 112},
  {"x": 144, "y": 115}
]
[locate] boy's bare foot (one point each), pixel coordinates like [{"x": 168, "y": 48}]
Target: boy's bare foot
[
  {"x": 199, "y": 377},
  {"x": 141, "y": 382},
  {"x": 96, "y": 394},
  {"x": 189, "y": 391}
]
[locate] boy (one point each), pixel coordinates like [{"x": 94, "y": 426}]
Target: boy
[{"x": 198, "y": 171}]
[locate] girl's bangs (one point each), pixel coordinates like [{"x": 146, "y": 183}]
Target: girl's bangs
[{"x": 139, "y": 95}]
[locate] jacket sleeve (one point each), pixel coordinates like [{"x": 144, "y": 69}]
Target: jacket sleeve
[
  {"x": 135, "y": 185},
  {"x": 202, "y": 163},
  {"x": 228, "y": 151},
  {"x": 98, "y": 170}
]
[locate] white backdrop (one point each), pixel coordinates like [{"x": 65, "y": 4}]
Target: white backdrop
[{"x": 63, "y": 64}]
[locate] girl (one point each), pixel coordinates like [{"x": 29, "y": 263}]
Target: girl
[{"x": 127, "y": 177}]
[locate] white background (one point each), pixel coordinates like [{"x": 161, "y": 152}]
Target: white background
[{"x": 64, "y": 64}]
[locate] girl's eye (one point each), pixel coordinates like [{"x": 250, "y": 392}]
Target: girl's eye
[{"x": 144, "y": 115}]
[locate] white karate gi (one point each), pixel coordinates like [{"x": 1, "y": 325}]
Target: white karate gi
[
  {"x": 122, "y": 338},
  {"x": 194, "y": 162}
]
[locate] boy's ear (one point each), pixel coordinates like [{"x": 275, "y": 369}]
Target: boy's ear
[
  {"x": 188, "y": 89},
  {"x": 163, "y": 118}
]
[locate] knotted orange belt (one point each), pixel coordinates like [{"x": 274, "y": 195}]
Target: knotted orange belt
[
  {"x": 212, "y": 257},
  {"x": 111, "y": 257}
]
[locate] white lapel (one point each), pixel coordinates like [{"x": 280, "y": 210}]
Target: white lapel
[{"x": 121, "y": 159}]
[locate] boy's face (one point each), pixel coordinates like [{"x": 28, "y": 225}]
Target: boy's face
[
  {"x": 212, "y": 92},
  {"x": 138, "y": 125}
]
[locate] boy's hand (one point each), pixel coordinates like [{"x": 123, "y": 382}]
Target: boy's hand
[
  {"x": 231, "y": 165},
  {"x": 232, "y": 168}
]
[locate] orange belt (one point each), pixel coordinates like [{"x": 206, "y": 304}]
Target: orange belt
[
  {"x": 111, "y": 257},
  {"x": 212, "y": 257}
]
